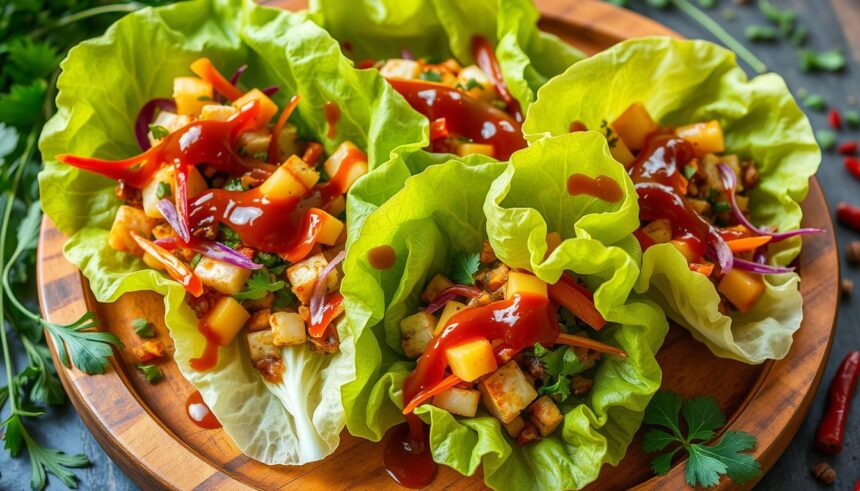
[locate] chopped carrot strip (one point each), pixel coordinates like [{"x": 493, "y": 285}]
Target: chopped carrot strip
[
  {"x": 424, "y": 395},
  {"x": 748, "y": 243},
  {"x": 204, "y": 69},
  {"x": 702, "y": 268},
  {"x": 274, "y": 157},
  {"x": 175, "y": 268},
  {"x": 577, "y": 303},
  {"x": 313, "y": 153},
  {"x": 583, "y": 342}
]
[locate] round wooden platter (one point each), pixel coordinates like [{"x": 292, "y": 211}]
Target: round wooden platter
[{"x": 143, "y": 426}]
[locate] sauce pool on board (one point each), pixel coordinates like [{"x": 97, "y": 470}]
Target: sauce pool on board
[
  {"x": 200, "y": 413},
  {"x": 410, "y": 468},
  {"x": 382, "y": 257},
  {"x": 601, "y": 187}
]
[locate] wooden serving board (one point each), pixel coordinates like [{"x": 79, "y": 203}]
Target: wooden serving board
[{"x": 145, "y": 430}]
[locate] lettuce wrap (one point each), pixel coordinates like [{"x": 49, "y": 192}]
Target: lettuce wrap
[
  {"x": 380, "y": 29},
  {"x": 681, "y": 82},
  {"x": 453, "y": 207},
  {"x": 105, "y": 81}
]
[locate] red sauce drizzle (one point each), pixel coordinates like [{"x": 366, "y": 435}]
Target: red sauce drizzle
[
  {"x": 409, "y": 467},
  {"x": 601, "y": 187},
  {"x": 662, "y": 161},
  {"x": 486, "y": 59},
  {"x": 382, "y": 257},
  {"x": 660, "y": 201},
  {"x": 209, "y": 358},
  {"x": 464, "y": 115},
  {"x": 332, "y": 116},
  {"x": 200, "y": 413}
]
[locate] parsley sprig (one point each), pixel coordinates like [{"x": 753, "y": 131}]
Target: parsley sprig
[
  {"x": 705, "y": 463},
  {"x": 259, "y": 284},
  {"x": 463, "y": 266}
]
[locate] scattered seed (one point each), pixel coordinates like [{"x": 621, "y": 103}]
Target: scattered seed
[
  {"x": 852, "y": 252},
  {"x": 824, "y": 473},
  {"x": 846, "y": 287}
]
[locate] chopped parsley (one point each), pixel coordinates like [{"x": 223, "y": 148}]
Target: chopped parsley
[
  {"x": 259, "y": 284},
  {"x": 142, "y": 327},
  {"x": 158, "y": 131},
  {"x": 229, "y": 237},
  {"x": 431, "y": 76},
  {"x": 235, "y": 184},
  {"x": 824, "y": 61},
  {"x": 196, "y": 260},
  {"x": 721, "y": 207},
  {"x": 559, "y": 365},
  {"x": 284, "y": 298},
  {"x": 689, "y": 171},
  {"x": 151, "y": 373},
  {"x": 163, "y": 190}
]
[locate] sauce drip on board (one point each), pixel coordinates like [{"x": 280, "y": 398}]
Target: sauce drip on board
[
  {"x": 600, "y": 187},
  {"x": 382, "y": 257},
  {"x": 464, "y": 115},
  {"x": 199, "y": 412},
  {"x": 332, "y": 116},
  {"x": 410, "y": 468}
]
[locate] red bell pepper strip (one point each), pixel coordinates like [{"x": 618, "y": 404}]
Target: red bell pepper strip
[
  {"x": 486, "y": 59},
  {"x": 834, "y": 119},
  {"x": 424, "y": 395},
  {"x": 175, "y": 268},
  {"x": 204, "y": 69},
  {"x": 274, "y": 156},
  {"x": 577, "y": 303},
  {"x": 828, "y": 437},
  {"x": 848, "y": 148},
  {"x": 748, "y": 243},
  {"x": 852, "y": 164}
]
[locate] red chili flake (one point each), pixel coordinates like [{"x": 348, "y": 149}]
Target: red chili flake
[
  {"x": 848, "y": 215},
  {"x": 848, "y": 148},
  {"x": 853, "y": 166},
  {"x": 834, "y": 119}
]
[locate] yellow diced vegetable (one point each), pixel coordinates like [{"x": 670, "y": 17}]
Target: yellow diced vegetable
[
  {"x": 288, "y": 142},
  {"x": 226, "y": 318},
  {"x": 399, "y": 68},
  {"x": 462, "y": 402},
  {"x": 660, "y": 230},
  {"x": 481, "y": 85},
  {"x": 471, "y": 360},
  {"x": 166, "y": 179},
  {"x": 451, "y": 308},
  {"x": 621, "y": 153},
  {"x": 223, "y": 277},
  {"x": 261, "y": 346},
  {"x": 282, "y": 184},
  {"x": 464, "y": 149},
  {"x": 288, "y": 328},
  {"x": 357, "y": 168},
  {"x": 524, "y": 283},
  {"x": 191, "y": 94},
  {"x": 634, "y": 125},
  {"x": 416, "y": 333},
  {"x": 336, "y": 206},
  {"x": 741, "y": 288},
  {"x": 217, "y": 112},
  {"x": 256, "y": 142},
  {"x": 705, "y": 137},
  {"x": 684, "y": 248},
  {"x": 434, "y": 287},
  {"x": 170, "y": 122},
  {"x": 507, "y": 392},
  {"x": 129, "y": 219},
  {"x": 268, "y": 108},
  {"x": 330, "y": 229},
  {"x": 307, "y": 175},
  {"x": 544, "y": 414}
]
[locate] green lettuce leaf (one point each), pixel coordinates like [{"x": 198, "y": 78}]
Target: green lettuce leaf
[
  {"x": 453, "y": 207},
  {"x": 104, "y": 83},
  {"x": 681, "y": 82},
  {"x": 379, "y": 29}
]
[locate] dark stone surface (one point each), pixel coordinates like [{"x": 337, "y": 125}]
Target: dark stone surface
[{"x": 64, "y": 429}]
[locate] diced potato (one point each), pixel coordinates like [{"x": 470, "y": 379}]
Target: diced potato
[
  {"x": 709, "y": 163},
  {"x": 307, "y": 175},
  {"x": 336, "y": 206},
  {"x": 191, "y": 94},
  {"x": 684, "y": 248},
  {"x": 226, "y": 318},
  {"x": 347, "y": 152},
  {"x": 288, "y": 142},
  {"x": 152, "y": 262},
  {"x": 544, "y": 414},
  {"x": 217, "y": 112},
  {"x": 493, "y": 279},
  {"x": 129, "y": 219},
  {"x": 472, "y": 359},
  {"x": 255, "y": 142},
  {"x": 288, "y": 328},
  {"x": 741, "y": 288},
  {"x": 515, "y": 426},
  {"x": 223, "y": 277},
  {"x": 169, "y": 121},
  {"x": 553, "y": 240},
  {"x": 398, "y": 68},
  {"x": 416, "y": 333},
  {"x": 282, "y": 184},
  {"x": 525, "y": 283},
  {"x": 259, "y": 320},
  {"x": 660, "y": 230},
  {"x": 705, "y": 137},
  {"x": 451, "y": 308},
  {"x": 462, "y": 402},
  {"x": 436, "y": 285},
  {"x": 506, "y": 392},
  {"x": 268, "y": 108},
  {"x": 621, "y": 153},
  {"x": 483, "y": 90},
  {"x": 260, "y": 346},
  {"x": 303, "y": 275},
  {"x": 464, "y": 149},
  {"x": 634, "y": 125},
  {"x": 196, "y": 185}
]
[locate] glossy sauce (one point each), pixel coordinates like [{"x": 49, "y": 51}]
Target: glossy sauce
[
  {"x": 659, "y": 201},
  {"x": 486, "y": 60},
  {"x": 332, "y": 307},
  {"x": 576, "y": 126},
  {"x": 332, "y": 116},
  {"x": 199, "y": 412},
  {"x": 382, "y": 257},
  {"x": 209, "y": 358},
  {"x": 464, "y": 115},
  {"x": 409, "y": 467},
  {"x": 601, "y": 187},
  {"x": 662, "y": 161}
]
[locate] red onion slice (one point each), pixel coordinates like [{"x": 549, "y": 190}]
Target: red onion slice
[
  {"x": 760, "y": 268},
  {"x": 145, "y": 117},
  {"x": 406, "y": 54},
  {"x": 730, "y": 182},
  {"x": 168, "y": 211},
  {"x": 317, "y": 302},
  {"x": 450, "y": 293},
  {"x": 238, "y": 73},
  {"x": 210, "y": 249},
  {"x": 271, "y": 90}
]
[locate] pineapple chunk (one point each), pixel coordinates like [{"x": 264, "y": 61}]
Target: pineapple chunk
[
  {"x": 451, "y": 308},
  {"x": 515, "y": 427},
  {"x": 684, "y": 248},
  {"x": 196, "y": 186},
  {"x": 282, "y": 184},
  {"x": 705, "y": 137},
  {"x": 303, "y": 275},
  {"x": 544, "y": 414},
  {"x": 660, "y": 230},
  {"x": 482, "y": 88},
  {"x": 464, "y": 149},
  {"x": 223, "y": 277},
  {"x": 301, "y": 171},
  {"x": 462, "y": 402},
  {"x": 506, "y": 392},
  {"x": 634, "y": 125},
  {"x": 336, "y": 206},
  {"x": 471, "y": 360},
  {"x": 129, "y": 219},
  {"x": 288, "y": 142},
  {"x": 288, "y": 328},
  {"x": 416, "y": 333},
  {"x": 330, "y": 228},
  {"x": 226, "y": 318},
  {"x": 191, "y": 94},
  {"x": 217, "y": 112},
  {"x": 399, "y": 68},
  {"x": 268, "y": 108},
  {"x": 524, "y": 283},
  {"x": 256, "y": 142},
  {"x": 436, "y": 285},
  {"x": 621, "y": 153},
  {"x": 349, "y": 153},
  {"x": 261, "y": 346},
  {"x": 169, "y": 121},
  {"x": 741, "y": 288}
]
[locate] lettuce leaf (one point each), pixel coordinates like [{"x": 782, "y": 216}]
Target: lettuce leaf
[
  {"x": 379, "y": 29},
  {"x": 104, "y": 83},
  {"x": 451, "y": 208},
  {"x": 682, "y": 82}
]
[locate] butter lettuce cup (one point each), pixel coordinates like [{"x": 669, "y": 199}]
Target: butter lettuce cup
[
  {"x": 720, "y": 163},
  {"x": 501, "y": 329},
  {"x": 226, "y": 195},
  {"x": 471, "y": 68}
]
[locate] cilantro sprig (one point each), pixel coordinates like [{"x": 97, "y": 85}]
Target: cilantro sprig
[
  {"x": 463, "y": 266},
  {"x": 559, "y": 365},
  {"x": 259, "y": 284},
  {"x": 705, "y": 463}
]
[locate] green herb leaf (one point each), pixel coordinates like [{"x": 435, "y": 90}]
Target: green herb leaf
[
  {"x": 42, "y": 460},
  {"x": 655, "y": 440},
  {"x": 158, "y": 131},
  {"x": 87, "y": 350},
  {"x": 660, "y": 4},
  {"x": 22, "y": 106},
  {"x": 268, "y": 259},
  {"x": 228, "y": 236},
  {"x": 755, "y": 32},
  {"x": 689, "y": 171},
  {"x": 815, "y": 102},
  {"x": 826, "y": 139},
  {"x": 703, "y": 417},
  {"x": 196, "y": 260},
  {"x": 259, "y": 284},
  {"x": 142, "y": 327},
  {"x": 284, "y": 298},
  {"x": 782, "y": 18},
  {"x": 721, "y": 207},
  {"x": 430, "y": 76},
  {"x": 824, "y": 61},
  {"x": 852, "y": 118},
  {"x": 798, "y": 37},
  {"x": 559, "y": 365},
  {"x": 235, "y": 184},
  {"x": 463, "y": 266},
  {"x": 661, "y": 464},
  {"x": 29, "y": 60},
  {"x": 163, "y": 190},
  {"x": 663, "y": 411},
  {"x": 473, "y": 84},
  {"x": 150, "y": 372}
]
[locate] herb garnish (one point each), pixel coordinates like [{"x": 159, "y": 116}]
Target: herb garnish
[
  {"x": 463, "y": 266},
  {"x": 158, "y": 131},
  {"x": 559, "y": 365},
  {"x": 430, "y": 76},
  {"x": 150, "y": 372},
  {"x": 142, "y": 327},
  {"x": 259, "y": 284}
]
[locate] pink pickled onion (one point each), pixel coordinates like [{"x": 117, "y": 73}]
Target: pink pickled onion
[
  {"x": 145, "y": 117},
  {"x": 210, "y": 249},
  {"x": 451, "y": 292},
  {"x": 317, "y": 302}
]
